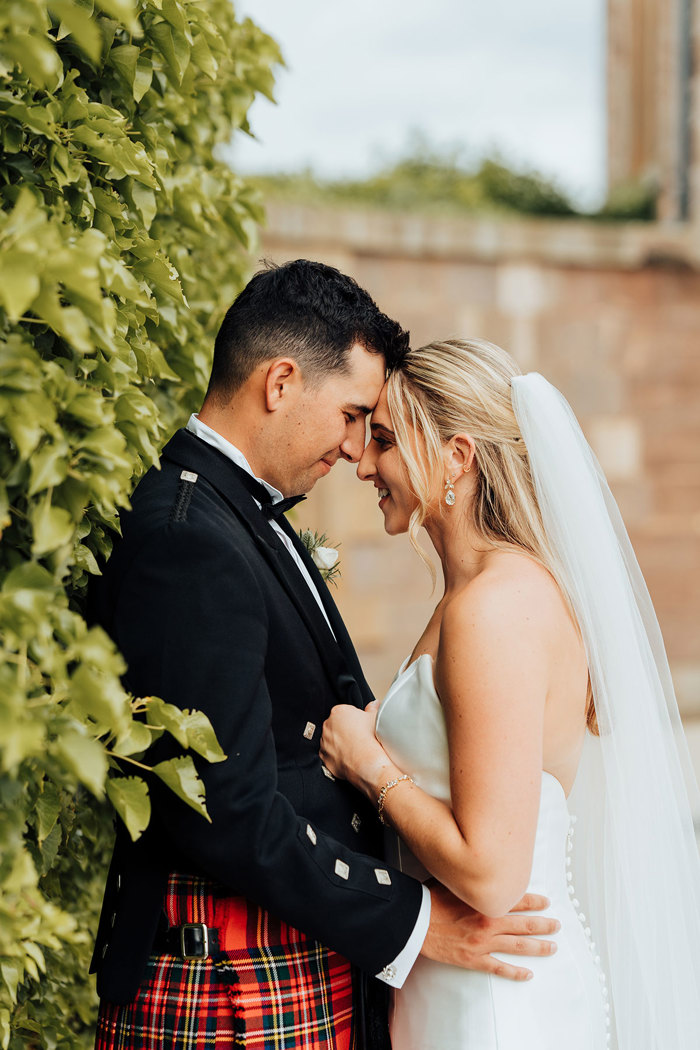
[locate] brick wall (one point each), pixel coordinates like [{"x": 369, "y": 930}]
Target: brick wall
[{"x": 609, "y": 313}]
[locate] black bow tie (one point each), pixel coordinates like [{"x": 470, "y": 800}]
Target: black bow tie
[
  {"x": 260, "y": 493},
  {"x": 276, "y": 510}
]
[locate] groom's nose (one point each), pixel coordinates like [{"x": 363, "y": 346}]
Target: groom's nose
[{"x": 354, "y": 443}]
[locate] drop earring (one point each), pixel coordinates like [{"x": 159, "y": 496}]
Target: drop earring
[{"x": 450, "y": 493}]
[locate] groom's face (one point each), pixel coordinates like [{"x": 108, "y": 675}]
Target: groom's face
[{"x": 328, "y": 422}]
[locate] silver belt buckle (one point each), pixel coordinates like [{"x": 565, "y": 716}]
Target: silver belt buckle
[{"x": 202, "y": 928}]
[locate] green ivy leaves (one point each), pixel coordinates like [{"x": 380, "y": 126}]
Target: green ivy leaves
[
  {"x": 192, "y": 730},
  {"x": 129, "y": 796},
  {"x": 123, "y": 239}
]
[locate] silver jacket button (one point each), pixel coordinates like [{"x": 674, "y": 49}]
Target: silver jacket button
[{"x": 309, "y": 730}]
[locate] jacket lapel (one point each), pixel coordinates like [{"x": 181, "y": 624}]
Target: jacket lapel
[
  {"x": 336, "y": 621},
  {"x": 190, "y": 452}
]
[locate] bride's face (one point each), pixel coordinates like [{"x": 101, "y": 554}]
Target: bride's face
[{"x": 382, "y": 465}]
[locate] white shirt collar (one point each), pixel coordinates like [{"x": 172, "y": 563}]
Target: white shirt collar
[{"x": 212, "y": 437}]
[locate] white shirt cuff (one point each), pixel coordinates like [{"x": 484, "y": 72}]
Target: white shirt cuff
[{"x": 396, "y": 972}]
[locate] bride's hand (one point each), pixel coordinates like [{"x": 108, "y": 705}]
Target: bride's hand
[{"x": 349, "y": 748}]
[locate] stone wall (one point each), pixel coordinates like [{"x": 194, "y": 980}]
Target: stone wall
[
  {"x": 693, "y": 9},
  {"x": 653, "y": 100},
  {"x": 609, "y": 313}
]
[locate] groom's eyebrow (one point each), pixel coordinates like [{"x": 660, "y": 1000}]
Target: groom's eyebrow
[
  {"x": 359, "y": 409},
  {"x": 380, "y": 428}
]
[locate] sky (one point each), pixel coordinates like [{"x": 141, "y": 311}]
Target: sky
[{"x": 363, "y": 79}]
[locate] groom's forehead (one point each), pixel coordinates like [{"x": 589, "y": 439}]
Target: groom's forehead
[
  {"x": 352, "y": 393},
  {"x": 359, "y": 410},
  {"x": 380, "y": 409},
  {"x": 366, "y": 371}
]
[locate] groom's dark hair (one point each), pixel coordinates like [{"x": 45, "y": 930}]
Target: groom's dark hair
[{"x": 305, "y": 310}]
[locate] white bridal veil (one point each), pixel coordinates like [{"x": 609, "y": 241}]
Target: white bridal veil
[{"x": 636, "y": 870}]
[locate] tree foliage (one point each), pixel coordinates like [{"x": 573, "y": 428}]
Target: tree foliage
[
  {"x": 122, "y": 240},
  {"x": 434, "y": 181}
]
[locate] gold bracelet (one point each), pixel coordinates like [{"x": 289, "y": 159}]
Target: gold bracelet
[{"x": 385, "y": 791}]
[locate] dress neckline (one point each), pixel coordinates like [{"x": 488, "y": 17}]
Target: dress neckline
[{"x": 406, "y": 667}]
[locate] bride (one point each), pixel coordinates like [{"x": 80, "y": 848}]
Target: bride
[{"x": 538, "y": 689}]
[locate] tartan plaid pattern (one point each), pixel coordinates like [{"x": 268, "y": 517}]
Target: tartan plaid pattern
[{"x": 270, "y": 987}]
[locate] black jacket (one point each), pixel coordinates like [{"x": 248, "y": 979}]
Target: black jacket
[{"x": 210, "y": 612}]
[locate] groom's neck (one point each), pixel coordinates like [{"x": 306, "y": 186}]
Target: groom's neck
[{"x": 235, "y": 422}]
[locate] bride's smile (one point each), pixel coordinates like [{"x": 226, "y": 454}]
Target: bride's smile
[{"x": 382, "y": 465}]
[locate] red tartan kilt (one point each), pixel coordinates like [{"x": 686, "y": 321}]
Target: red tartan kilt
[{"x": 269, "y": 986}]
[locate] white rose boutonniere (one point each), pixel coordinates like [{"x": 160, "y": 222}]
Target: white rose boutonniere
[{"x": 325, "y": 558}]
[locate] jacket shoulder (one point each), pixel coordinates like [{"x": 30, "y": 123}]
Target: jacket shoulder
[{"x": 174, "y": 496}]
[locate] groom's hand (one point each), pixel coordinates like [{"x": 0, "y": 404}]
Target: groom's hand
[{"x": 461, "y": 936}]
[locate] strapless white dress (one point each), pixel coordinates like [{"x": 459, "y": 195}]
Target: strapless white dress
[{"x": 440, "y": 1007}]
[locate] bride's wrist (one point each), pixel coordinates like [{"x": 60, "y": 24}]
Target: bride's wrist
[{"x": 375, "y": 777}]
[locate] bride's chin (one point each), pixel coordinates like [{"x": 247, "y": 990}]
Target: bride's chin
[{"x": 393, "y": 528}]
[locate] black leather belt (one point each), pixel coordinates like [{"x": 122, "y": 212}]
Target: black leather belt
[{"x": 192, "y": 940}]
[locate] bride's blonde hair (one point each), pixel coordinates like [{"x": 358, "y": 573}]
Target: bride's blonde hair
[{"x": 463, "y": 387}]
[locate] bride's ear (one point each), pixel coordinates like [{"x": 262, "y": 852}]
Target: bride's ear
[{"x": 459, "y": 455}]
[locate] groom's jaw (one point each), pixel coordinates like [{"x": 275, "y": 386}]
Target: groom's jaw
[{"x": 304, "y": 480}]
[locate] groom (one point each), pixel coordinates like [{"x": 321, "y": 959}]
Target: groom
[{"x": 266, "y": 926}]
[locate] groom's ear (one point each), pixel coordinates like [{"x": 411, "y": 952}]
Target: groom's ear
[{"x": 282, "y": 379}]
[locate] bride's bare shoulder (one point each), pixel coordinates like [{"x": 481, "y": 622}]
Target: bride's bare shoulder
[
  {"x": 512, "y": 590},
  {"x": 499, "y": 631}
]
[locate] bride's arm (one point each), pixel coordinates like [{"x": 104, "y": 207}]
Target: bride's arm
[{"x": 492, "y": 673}]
